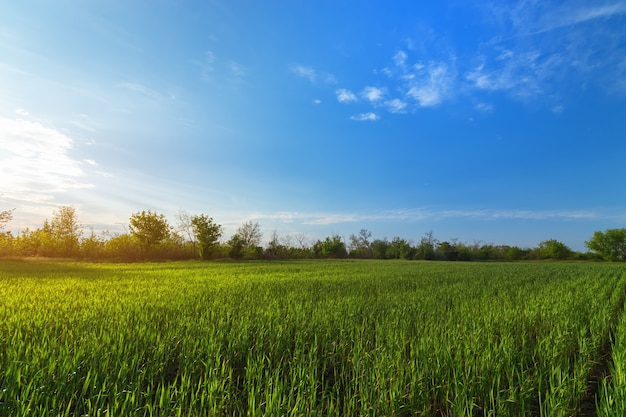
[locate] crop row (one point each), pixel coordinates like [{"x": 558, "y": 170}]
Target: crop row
[{"x": 303, "y": 338}]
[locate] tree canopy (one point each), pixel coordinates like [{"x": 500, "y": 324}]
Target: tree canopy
[
  {"x": 610, "y": 244},
  {"x": 206, "y": 232},
  {"x": 149, "y": 228}
]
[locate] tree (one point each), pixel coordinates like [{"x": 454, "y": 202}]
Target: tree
[
  {"x": 399, "y": 249},
  {"x": 611, "y": 244},
  {"x": 250, "y": 234},
  {"x": 65, "y": 229},
  {"x": 277, "y": 249},
  {"x": 185, "y": 228},
  {"x": 207, "y": 233},
  {"x": 380, "y": 248},
  {"x": 449, "y": 250},
  {"x": 5, "y": 217},
  {"x": 553, "y": 249},
  {"x": 426, "y": 248},
  {"x": 149, "y": 228},
  {"x": 331, "y": 247},
  {"x": 93, "y": 246},
  {"x": 360, "y": 245},
  {"x": 246, "y": 241},
  {"x": 5, "y": 237}
]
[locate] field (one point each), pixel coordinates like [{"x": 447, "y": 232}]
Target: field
[{"x": 312, "y": 338}]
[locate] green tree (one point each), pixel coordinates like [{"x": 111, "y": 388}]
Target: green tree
[
  {"x": 149, "y": 228},
  {"x": 331, "y": 247},
  {"x": 65, "y": 230},
  {"x": 426, "y": 247},
  {"x": 399, "y": 249},
  {"x": 246, "y": 241},
  {"x": 553, "y": 249},
  {"x": 610, "y": 244},
  {"x": 123, "y": 247},
  {"x": 380, "y": 248},
  {"x": 6, "y": 238},
  {"x": 93, "y": 246},
  {"x": 449, "y": 250},
  {"x": 360, "y": 246},
  {"x": 207, "y": 234}
]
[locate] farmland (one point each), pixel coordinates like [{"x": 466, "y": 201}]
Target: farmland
[{"x": 316, "y": 337}]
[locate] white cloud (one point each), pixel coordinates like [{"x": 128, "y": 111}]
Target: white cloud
[
  {"x": 484, "y": 107},
  {"x": 81, "y": 125},
  {"x": 317, "y": 101},
  {"x": 140, "y": 89},
  {"x": 236, "y": 69},
  {"x": 304, "y": 72},
  {"x": 558, "y": 109},
  {"x": 522, "y": 74},
  {"x": 345, "y": 96},
  {"x": 396, "y": 105},
  {"x": 422, "y": 214},
  {"x": 365, "y": 117},
  {"x": 400, "y": 59},
  {"x": 373, "y": 93},
  {"x": 431, "y": 84},
  {"x": 550, "y": 47},
  {"x": 36, "y": 161},
  {"x": 569, "y": 15},
  {"x": 21, "y": 112}
]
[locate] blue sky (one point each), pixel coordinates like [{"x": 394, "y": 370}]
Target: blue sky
[{"x": 500, "y": 122}]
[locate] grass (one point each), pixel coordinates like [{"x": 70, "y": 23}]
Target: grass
[{"x": 317, "y": 338}]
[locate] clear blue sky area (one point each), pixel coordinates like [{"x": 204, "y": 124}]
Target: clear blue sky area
[{"x": 502, "y": 122}]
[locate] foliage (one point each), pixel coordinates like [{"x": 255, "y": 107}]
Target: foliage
[
  {"x": 331, "y": 247},
  {"x": 250, "y": 234},
  {"x": 379, "y": 248},
  {"x": 5, "y": 217},
  {"x": 426, "y": 248},
  {"x": 65, "y": 230},
  {"x": 149, "y": 228},
  {"x": 246, "y": 241},
  {"x": 360, "y": 246},
  {"x": 207, "y": 234},
  {"x": 553, "y": 249},
  {"x": 610, "y": 244},
  {"x": 123, "y": 248}
]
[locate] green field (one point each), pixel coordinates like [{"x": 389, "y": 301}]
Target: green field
[{"x": 343, "y": 338}]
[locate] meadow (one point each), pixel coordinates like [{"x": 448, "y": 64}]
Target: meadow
[{"x": 312, "y": 338}]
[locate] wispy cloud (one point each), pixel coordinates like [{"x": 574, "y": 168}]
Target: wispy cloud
[
  {"x": 304, "y": 71},
  {"x": 373, "y": 94},
  {"x": 365, "y": 117},
  {"x": 549, "y": 47},
  {"x": 214, "y": 68},
  {"x": 418, "y": 84},
  {"x": 36, "y": 161},
  {"x": 429, "y": 84},
  {"x": 313, "y": 75},
  {"x": 396, "y": 105},
  {"x": 568, "y": 15},
  {"x": 524, "y": 56},
  {"x": 345, "y": 96},
  {"x": 140, "y": 89},
  {"x": 424, "y": 214}
]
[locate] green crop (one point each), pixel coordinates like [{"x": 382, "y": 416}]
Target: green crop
[{"x": 316, "y": 338}]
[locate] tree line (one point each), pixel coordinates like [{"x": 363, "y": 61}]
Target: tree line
[{"x": 150, "y": 236}]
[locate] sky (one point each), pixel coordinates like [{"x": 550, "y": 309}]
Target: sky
[{"x": 499, "y": 122}]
